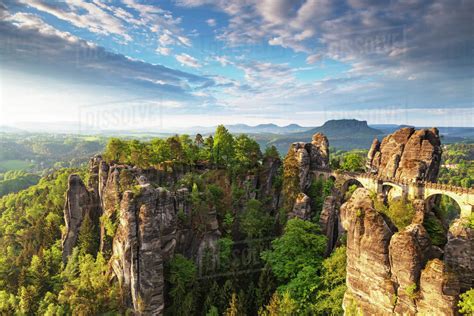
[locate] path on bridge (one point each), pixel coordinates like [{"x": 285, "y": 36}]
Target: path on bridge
[{"x": 407, "y": 189}]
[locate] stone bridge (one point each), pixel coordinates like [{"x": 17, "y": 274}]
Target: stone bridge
[{"x": 411, "y": 190}]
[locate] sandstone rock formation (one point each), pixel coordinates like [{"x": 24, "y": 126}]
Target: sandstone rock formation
[
  {"x": 368, "y": 277},
  {"x": 80, "y": 202},
  {"x": 439, "y": 290},
  {"x": 319, "y": 151},
  {"x": 139, "y": 227},
  {"x": 302, "y": 207},
  {"x": 329, "y": 221},
  {"x": 407, "y": 154},
  {"x": 401, "y": 272},
  {"x": 459, "y": 252},
  {"x": 409, "y": 251},
  {"x": 137, "y": 249},
  {"x": 306, "y": 158},
  {"x": 266, "y": 180}
]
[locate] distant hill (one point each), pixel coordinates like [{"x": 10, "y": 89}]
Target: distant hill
[
  {"x": 9, "y": 129},
  {"x": 388, "y": 128},
  {"x": 342, "y": 134},
  {"x": 448, "y": 134},
  {"x": 248, "y": 129}
]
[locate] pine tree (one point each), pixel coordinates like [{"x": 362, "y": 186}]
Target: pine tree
[{"x": 87, "y": 240}]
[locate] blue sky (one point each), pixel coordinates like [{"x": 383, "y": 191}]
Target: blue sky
[{"x": 166, "y": 64}]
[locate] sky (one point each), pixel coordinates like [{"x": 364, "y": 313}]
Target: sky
[{"x": 165, "y": 64}]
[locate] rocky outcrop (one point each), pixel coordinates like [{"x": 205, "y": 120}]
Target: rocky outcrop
[
  {"x": 319, "y": 151},
  {"x": 409, "y": 250},
  {"x": 368, "y": 277},
  {"x": 459, "y": 252},
  {"x": 401, "y": 273},
  {"x": 407, "y": 154},
  {"x": 302, "y": 159},
  {"x": 439, "y": 290},
  {"x": 137, "y": 250},
  {"x": 302, "y": 207},
  {"x": 329, "y": 221},
  {"x": 266, "y": 180},
  {"x": 80, "y": 203}
]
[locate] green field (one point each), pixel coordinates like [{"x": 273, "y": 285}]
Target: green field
[{"x": 6, "y": 165}]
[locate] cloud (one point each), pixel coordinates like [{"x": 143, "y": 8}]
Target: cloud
[
  {"x": 188, "y": 60},
  {"x": 223, "y": 60},
  {"x": 398, "y": 34},
  {"x": 31, "y": 45},
  {"x": 91, "y": 16},
  {"x": 314, "y": 58},
  {"x": 163, "y": 51},
  {"x": 211, "y": 22},
  {"x": 28, "y": 21}
]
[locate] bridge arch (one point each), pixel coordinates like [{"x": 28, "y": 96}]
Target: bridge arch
[
  {"x": 391, "y": 191},
  {"x": 443, "y": 202},
  {"x": 346, "y": 186}
]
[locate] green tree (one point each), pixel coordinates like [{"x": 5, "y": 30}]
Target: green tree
[
  {"x": 8, "y": 303},
  {"x": 296, "y": 259},
  {"x": 332, "y": 285},
  {"x": 223, "y": 146},
  {"x": 254, "y": 221},
  {"x": 300, "y": 245},
  {"x": 87, "y": 290},
  {"x": 247, "y": 152},
  {"x": 183, "y": 274},
  {"x": 87, "y": 240},
  {"x": 115, "y": 150},
  {"x": 353, "y": 162},
  {"x": 159, "y": 151},
  {"x": 271, "y": 152},
  {"x": 466, "y": 303}
]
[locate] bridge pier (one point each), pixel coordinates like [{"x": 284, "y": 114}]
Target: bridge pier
[{"x": 466, "y": 210}]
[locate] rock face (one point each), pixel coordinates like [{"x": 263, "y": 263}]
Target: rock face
[
  {"x": 409, "y": 251},
  {"x": 307, "y": 158},
  {"x": 80, "y": 202},
  {"x": 137, "y": 249},
  {"x": 439, "y": 290},
  {"x": 368, "y": 277},
  {"x": 319, "y": 151},
  {"x": 329, "y": 221},
  {"x": 407, "y": 154},
  {"x": 139, "y": 227},
  {"x": 459, "y": 253},
  {"x": 302, "y": 207},
  {"x": 401, "y": 272},
  {"x": 267, "y": 179}
]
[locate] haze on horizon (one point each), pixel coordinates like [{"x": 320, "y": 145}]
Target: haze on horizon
[{"x": 182, "y": 63}]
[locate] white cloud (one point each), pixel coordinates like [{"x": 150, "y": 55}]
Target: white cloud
[
  {"x": 223, "y": 60},
  {"x": 163, "y": 51},
  {"x": 211, "y": 22},
  {"x": 84, "y": 15},
  {"x": 32, "y": 21},
  {"x": 312, "y": 59},
  {"x": 188, "y": 60}
]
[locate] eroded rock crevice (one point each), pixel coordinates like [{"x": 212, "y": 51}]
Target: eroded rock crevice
[{"x": 402, "y": 272}]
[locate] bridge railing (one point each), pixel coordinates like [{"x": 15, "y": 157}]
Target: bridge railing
[
  {"x": 448, "y": 187},
  {"x": 402, "y": 181}
]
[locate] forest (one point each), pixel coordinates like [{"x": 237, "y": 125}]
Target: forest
[{"x": 269, "y": 264}]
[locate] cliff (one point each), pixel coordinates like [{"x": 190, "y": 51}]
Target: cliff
[
  {"x": 141, "y": 224},
  {"x": 402, "y": 272},
  {"x": 300, "y": 162},
  {"x": 407, "y": 154}
]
